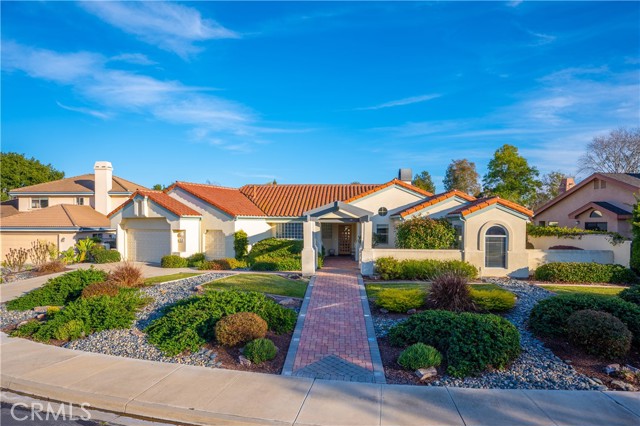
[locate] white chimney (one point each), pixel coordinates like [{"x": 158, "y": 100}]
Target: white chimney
[
  {"x": 103, "y": 173},
  {"x": 405, "y": 175}
]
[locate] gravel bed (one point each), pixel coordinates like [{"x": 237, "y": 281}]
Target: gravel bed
[
  {"x": 382, "y": 325},
  {"x": 536, "y": 367},
  {"x": 8, "y": 318},
  {"x": 132, "y": 343}
]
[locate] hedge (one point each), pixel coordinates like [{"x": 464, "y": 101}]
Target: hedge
[
  {"x": 275, "y": 254},
  {"x": 425, "y": 233},
  {"x": 570, "y": 233},
  {"x": 392, "y": 269},
  {"x": 101, "y": 255},
  {"x": 585, "y": 272},
  {"x": 174, "y": 261}
]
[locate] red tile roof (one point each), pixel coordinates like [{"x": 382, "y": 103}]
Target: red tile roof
[
  {"x": 229, "y": 200},
  {"x": 435, "y": 200},
  {"x": 482, "y": 203},
  {"x": 398, "y": 182},
  {"x": 294, "y": 200},
  {"x": 162, "y": 199}
]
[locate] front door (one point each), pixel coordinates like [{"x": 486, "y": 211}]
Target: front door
[{"x": 344, "y": 240}]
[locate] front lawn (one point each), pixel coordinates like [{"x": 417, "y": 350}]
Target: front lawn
[
  {"x": 172, "y": 277},
  {"x": 374, "y": 288},
  {"x": 583, "y": 289},
  {"x": 262, "y": 283}
]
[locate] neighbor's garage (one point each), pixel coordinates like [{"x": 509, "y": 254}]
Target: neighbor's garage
[{"x": 148, "y": 240}]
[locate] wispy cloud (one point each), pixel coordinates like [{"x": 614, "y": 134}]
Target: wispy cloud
[
  {"x": 514, "y": 3},
  {"x": 540, "y": 39},
  {"x": 402, "y": 102},
  {"x": 113, "y": 91},
  {"x": 133, "y": 58},
  {"x": 87, "y": 111},
  {"x": 169, "y": 26}
]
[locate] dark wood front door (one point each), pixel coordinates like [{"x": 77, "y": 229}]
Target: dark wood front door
[{"x": 344, "y": 240}]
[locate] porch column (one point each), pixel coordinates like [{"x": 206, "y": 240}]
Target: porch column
[
  {"x": 367, "y": 260},
  {"x": 308, "y": 252}
]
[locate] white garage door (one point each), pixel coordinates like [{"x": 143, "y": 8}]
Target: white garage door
[
  {"x": 148, "y": 245},
  {"x": 214, "y": 242}
]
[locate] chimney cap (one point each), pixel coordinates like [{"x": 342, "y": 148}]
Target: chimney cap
[
  {"x": 105, "y": 165},
  {"x": 405, "y": 175}
]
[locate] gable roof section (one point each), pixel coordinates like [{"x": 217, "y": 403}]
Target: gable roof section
[
  {"x": 83, "y": 184},
  {"x": 295, "y": 200},
  {"x": 229, "y": 200},
  {"x": 58, "y": 216},
  {"x": 396, "y": 182},
  {"x": 482, "y": 203},
  {"x": 9, "y": 208},
  {"x": 435, "y": 200},
  {"x": 630, "y": 181},
  {"x": 162, "y": 199},
  {"x": 597, "y": 205}
]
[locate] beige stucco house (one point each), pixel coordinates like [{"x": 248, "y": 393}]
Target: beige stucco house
[
  {"x": 603, "y": 201},
  {"x": 341, "y": 219},
  {"x": 64, "y": 211}
]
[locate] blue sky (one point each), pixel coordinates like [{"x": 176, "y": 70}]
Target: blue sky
[{"x": 235, "y": 93}]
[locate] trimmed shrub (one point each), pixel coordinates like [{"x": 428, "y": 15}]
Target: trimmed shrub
[
  {"x": 418, "y": 356},
  {"x": 99, "y": 254},
  {"x": 392, "y": 269},
  {"x": 52, "y": 267},
  {"x": 399, "y": 300},
  {"x": 425, "y": 233},
  {"x": 241, "y": 244},
  {"x": 494, "y": 300},
  {"x": 86, "y": 316},
  {"x": 127, "y": 275},
  {"x": 195, "y": 260},
  {"x": 58, "y": 291},
  {"x": 584, "y": 272},
  {"x": 215, "y": 265},
  {"x": 471, "y": 343},
  {"x": 26, "y": 329},
  {"x": 107, "y": 288},
  {"x": 275, "y": 254},
  {"x": 260, "y": 350},
  {"x": 242, "y": 327},
  {"x": 549, "y": 316},
  {"x": 173, "y": 261},
  {"x": 236, "y": 264},
  {"x": 631, "y": 294},
  {"x": 451, "y": 292},
  {"x": 190, "y": 323},
  {"x": 599, "y": 333}
]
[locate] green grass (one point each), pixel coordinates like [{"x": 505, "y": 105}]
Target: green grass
[
  {"x": 262, "y": 283},
  {"x": 588, "y": 289},
  {"x": 374, "y": 288},
  {"x": 172, "y": 277}
]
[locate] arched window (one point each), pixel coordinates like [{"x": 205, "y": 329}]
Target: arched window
[
  {"x": 495, "y": 247},
  {"x": 596, "y": 213}
]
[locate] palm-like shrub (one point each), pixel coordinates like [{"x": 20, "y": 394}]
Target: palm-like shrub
[{"x": 450, "y": 292}]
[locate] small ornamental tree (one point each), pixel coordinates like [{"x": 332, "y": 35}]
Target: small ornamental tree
[
  {"x": 425, "y": 233},
  {"x": 241, "y": 244},
  {"x": 635, "y": 229}
]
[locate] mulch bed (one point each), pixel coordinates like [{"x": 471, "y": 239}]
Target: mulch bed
[
  {"x": 229, "y": 356},
  {"x": 587, "y": 364}
]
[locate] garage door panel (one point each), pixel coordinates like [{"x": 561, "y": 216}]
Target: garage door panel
[{"x": 148, "y": 245}]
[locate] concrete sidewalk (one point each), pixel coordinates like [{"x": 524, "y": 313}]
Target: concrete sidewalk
[
  {"x": 16, "y": 289},
  {"x": 186, "y": 394}
]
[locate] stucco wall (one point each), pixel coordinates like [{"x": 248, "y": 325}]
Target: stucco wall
[
  {"x": 540, "y": 257},
  {"x": 621, "y": 252},
  {"x": 403, "y": 254},
  {"x": 256, "y": 229},
  {"x": 191, "y": 226}
]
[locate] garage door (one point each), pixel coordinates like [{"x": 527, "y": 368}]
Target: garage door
[
  {"x": 214, "y": 244},
  {"x": 148, "y": 245}
]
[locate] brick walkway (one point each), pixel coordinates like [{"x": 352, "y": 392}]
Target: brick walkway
[{"x": 334, "y": 342}]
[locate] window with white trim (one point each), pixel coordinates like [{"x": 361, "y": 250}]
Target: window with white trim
[
  {"x": 382, "y": 234},
  {"x": 289, "y": 231},
  {"x": 80, "y": 201},
  {"x": 39, "y": 203},
  {"x": 495, "y": 247},
  {"x": 382, "y": 211}
]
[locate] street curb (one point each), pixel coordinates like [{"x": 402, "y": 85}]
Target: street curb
[
  {"x": 287, "y": 369},
  {"x": 374, "y": 350}
]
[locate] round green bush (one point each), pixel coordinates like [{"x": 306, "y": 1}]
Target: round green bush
[
  {"x": 599, "y": 333},
  {"x": 418, "y": 356},
  {"x": 631, "y": 294},
  {"x": 242, "y": 327},
  {"x": 423, "y": 232},
  {"x": 549, "y": 316},
  {"x": 471, "y": 343},
  {"x": 174, "y": 261},
  {"x": 493, "y": 300},
  {"x": 195, "y": 260},
  {"x": 101, "y": 255},
  {"x": 260, "y": 350},
  {"x": 400, "y": 300},
  {"x": 585, "y": 272}
]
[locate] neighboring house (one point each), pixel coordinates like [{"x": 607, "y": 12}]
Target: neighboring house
[
  {"x": 603, "y": 201},
  {"x": 65, "y": 210},
  {"x": 341, "y": 219}
]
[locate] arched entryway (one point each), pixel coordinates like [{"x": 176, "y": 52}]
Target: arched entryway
[{"x": 495, "y": 247}]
